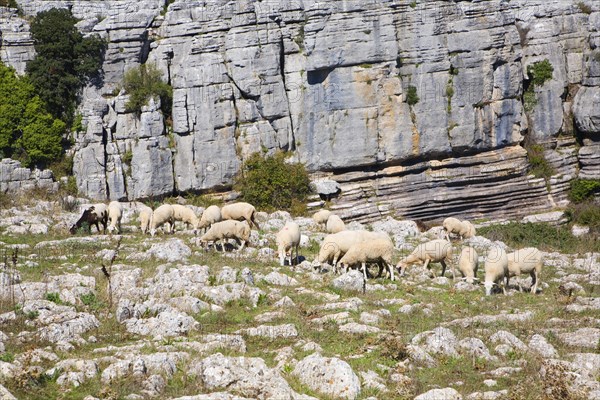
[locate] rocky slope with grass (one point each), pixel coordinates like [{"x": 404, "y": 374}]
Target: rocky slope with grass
[
  {"x": 419, "y": 109},
  {"x": 134, "y": 317}
]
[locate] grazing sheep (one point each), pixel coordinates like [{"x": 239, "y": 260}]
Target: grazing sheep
[
  {"x": 91, "y": 216},
  {"x": 438, "y": 250},
  {"x": 288, "y": 239},
  {"x": 370, "y": 251},
  {"x": 496, "y": 269},
  {"x": 185, "y": 215},
  {"x": 163, "y": 215},
  {"x": 228, "y": 229},
  {"x": 145, "y": 216},
  {"x": 240, "y": 211},
  {"x": 321, "y": 216},
  {"x": 115, "y": 213},
  {"x": 335, "y": 224},
  {"x": 468, "y": 263},
  {"x": 337, "y": 244},
  {"x": 470, "y": 229},
  {"x": 464, "y": 229},
  {"x": 211, "y": 215},
  {"x": 527, "y": 260}
]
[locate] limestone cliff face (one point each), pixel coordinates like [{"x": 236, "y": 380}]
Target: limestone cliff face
[{"x": 329, "y": 82}]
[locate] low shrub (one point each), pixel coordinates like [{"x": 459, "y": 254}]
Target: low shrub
[
  {"x": 411, "y": 95},
  {"x": 541, "y": 235},
  {"x": 143, "y": 83},
  {"x": 271, "y": 183},
  {"x": 583, "y": 189}
]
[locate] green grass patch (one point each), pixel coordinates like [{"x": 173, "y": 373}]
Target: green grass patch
[{"x": 543, "y": 236}]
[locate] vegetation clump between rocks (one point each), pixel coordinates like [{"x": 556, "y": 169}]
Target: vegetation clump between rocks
[{"x": 273, "y": 183}]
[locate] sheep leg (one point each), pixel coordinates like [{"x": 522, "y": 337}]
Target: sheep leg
[
  {"x": 443, "y": 267},
  {"x": 426, "y": 265},
  {"x": 243, "y": 244},
  {"x": 364, "y": 269},
  {"x": 453, "y": 272},
  {"x": 390, "y": 268},
  {"x": 534, "y": 281}
]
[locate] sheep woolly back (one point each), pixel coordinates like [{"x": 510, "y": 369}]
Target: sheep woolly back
[
  {"x": 289, "y": 235},
  {"x": 467, "y": 262},
  {"x": 368, "y": 251},
  {"x": 227, "y": 229},
  {"x": 524, "y": 260},
  {"x": 335, "y": 224},
  {"x": 435, "y": 250},
  {"x": 211, "y": 215},
  {"x": 321, "y": 216}
]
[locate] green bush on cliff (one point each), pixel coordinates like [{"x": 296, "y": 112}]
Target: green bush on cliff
[
  {"x": 411, "y": 95},
  {"x": 143, "y": 83},
  {"x": 583, "y": 189},
  {"x": 271, "y": 183},
  {"x": 65, "y": 61},
  {"x": 540, "y": 72},
  {"x": 27, "y": 131}
]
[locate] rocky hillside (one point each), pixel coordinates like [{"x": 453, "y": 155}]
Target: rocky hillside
[
  {"x": 134, "y": 317},
  {"x": 418, "y": 109}
]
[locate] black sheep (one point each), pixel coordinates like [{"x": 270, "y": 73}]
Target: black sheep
[{"x": 88, "y": 218}]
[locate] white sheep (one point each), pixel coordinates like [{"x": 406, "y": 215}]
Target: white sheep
[
  {"x": 211, "y": 215},
  {"x": 163, "y": 215},
  {"x": 470, "y": 229},
  {"x": 438, "y": 250},
  {"x": 464, "y": 229},
  {"x": 336, "y": 245},
  {"x": 228, "y": 229},
  {"x": 496, "y": 269},
  {"x": 335, "y": 224},
  {"x": 288, "y": 239},
  {"x": 185, "y": 215},
  {"x": 115, "y": 213},
  {"x": 240, "y": 211},
  {"x": 145, "y": 214},
  {"x": 468, "y": 263},
  {"x": 321, "y": 216},
  {"x": 378, "y": 251},
  {"x": 527, "y": 260}
]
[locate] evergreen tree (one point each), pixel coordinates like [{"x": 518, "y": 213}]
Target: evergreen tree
[
  {"x": 27, "y": 131},
  {"x": 64, "y": 62}
]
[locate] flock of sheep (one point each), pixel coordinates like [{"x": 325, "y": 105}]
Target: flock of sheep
[{"x": 341, "y": 248}]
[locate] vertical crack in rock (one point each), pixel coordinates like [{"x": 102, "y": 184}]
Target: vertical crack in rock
[
  {"x": 292, "y": 135},
  {"x": 104, "y": 147}
]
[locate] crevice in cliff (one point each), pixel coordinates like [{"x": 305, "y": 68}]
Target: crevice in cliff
[
  {"x": 245, "y": 95},
  {"x": 292, "y": 138},
  {"x": 105, "y": 165}
]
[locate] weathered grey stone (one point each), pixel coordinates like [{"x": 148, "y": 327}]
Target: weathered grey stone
[
  {"x": 437, "y": 394},
  {"x": 438, "y": 341},
  {"x": 250, "y": 376},
  {"x": 538, "y": 344},
  {"x": 352, "y": 281},
  {"x": 279, "y": 279},
  {"x": 475, "y": 347},
  {"x": 170, "y": 250},
  {"x": 325, "y": 187},
  {"x": 361, "y": 329},
  {"x": 583, "y": 337},
  {"x": 329, "y": 376},
  {"x": 271, "y": 331}
]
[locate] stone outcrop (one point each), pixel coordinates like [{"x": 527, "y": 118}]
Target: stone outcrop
[
  {"x": 14, "y": 177},
  {"x": 336, "y": 83}
]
